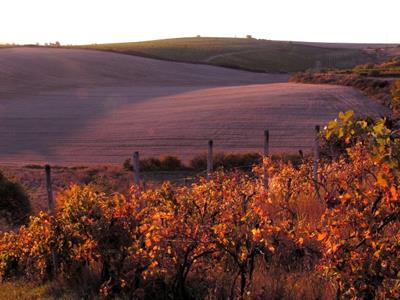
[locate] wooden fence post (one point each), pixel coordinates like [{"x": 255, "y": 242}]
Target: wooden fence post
[
  {"x": 266, "y": 153},
  {"x": 209, "y": 159},
  {"x": 49, "y": 188},
  {"x": 51, "y": 207},
  {"x": 301, "y": 154},
  {"x": 136, "y": 168},
  {"x": 316, "y": 158}
]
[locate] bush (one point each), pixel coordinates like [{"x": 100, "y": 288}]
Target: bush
[
  {"x": 150, "y": 164},
  {"x": 171, "y": 163},
  {"x": 167, "y": 163},
  {"x": 93, "y": 235},
  {"x": 395, "y": 90},
  {"x": 127, "y": 165},
  {"x": 226, "y": 161},
  {"x": 14, "y": 203},
  {"x": 198, "y": 163},
  {"x": 374, "y": 73},
  {"x": 333, "y": 145},
  {"x": 360, "y": 228},
  {"x": 378, "y": 89}
]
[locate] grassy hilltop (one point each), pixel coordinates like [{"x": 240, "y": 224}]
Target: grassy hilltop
[{"x": 244, "y": 53}]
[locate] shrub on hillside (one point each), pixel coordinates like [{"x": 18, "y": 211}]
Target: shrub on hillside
[
  {"x": 171, "y": 163},
  {"x": 127, "y": 165},
  {"x": 14, "y": 203},
  {"x": 378, "y": 89},
  {"x": 374, "y": 73},
  {"x": 150, "y": 164},
  {"x": 167, "y": 163},
  {"x": 226, "y": 161},
  {"x": 198, "y": 163},
  {"x": 395, "y": 90}
]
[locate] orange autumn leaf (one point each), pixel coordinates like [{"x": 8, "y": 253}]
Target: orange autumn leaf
[
  {"x": 381, "y": 181},
  {"x": 321, "y": 236},
  {"x": 393, "y": 192}
]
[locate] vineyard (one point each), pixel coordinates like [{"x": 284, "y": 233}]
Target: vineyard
[{"x": 295, "y": 231}]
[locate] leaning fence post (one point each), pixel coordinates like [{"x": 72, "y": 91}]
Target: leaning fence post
[
  {"x": 49, "y": 188},
  {"x": 316, "y": 158},
  {"x": 209, "y": 159},
  {"x": 136, "y": 168},
  {"x": 266, "y": 153}
]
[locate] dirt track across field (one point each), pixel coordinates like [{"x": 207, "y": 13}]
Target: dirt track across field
[{"x": 82, "y": 107}]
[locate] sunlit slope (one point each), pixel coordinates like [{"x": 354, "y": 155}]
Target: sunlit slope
[
  {"x": 80, "y": 107},
  {"x": 250, "y": 54},
  {"x": 42, "y": 68}
]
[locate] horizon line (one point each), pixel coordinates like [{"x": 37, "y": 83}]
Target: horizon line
[{"x": 199, "y": 36}]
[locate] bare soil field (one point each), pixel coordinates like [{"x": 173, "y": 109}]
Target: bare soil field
[{"x": 81, "y": 107}]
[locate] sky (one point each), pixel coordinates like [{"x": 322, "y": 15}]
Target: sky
[{"x": 102, "y": 21}]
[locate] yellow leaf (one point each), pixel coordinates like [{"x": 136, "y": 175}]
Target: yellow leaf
[
  {"x": 341, "y": 133},
  {"x": 332, "y": 124},
  {"x": 378, "y": 128},
  {"x": 346, "y": 116},
  {"x": 363, "y": 124}
]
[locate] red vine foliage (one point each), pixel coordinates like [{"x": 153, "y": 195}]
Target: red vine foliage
[{"x": 213, "y": 238}]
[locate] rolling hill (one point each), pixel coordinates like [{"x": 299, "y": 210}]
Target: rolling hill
[
  {"x": 248, "y": 53},
  {"x": 81, "y": 107}
]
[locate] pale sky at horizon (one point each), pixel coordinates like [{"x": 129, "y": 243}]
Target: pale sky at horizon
[{"x": 100, "y": 21}]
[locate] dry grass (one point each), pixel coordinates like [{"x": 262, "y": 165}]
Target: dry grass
[
  {"x": 277, "y": 284},
  {"x": 25, "y": 291}
]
